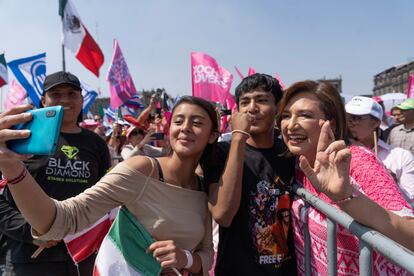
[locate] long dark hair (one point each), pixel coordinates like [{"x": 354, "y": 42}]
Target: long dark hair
[{"x": 211, "y": 149}]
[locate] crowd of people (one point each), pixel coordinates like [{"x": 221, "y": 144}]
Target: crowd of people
[{"x": 173, "y": 175}]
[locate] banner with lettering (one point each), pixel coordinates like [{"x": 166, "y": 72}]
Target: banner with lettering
[{"x": 210, "y": 81}]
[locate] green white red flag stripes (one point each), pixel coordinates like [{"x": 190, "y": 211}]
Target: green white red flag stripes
[
  {"x": 123, "y": 251},
  {"x": 3, "y": 71},
  {"x": 77, "y": 38}
]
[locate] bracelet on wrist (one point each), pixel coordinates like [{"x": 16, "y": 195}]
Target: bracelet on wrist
[
  {"x": 189, "y": 259},
  {"x": 18, "y": 178},
  {"x": 240, "y": 131},
  {"x": 355, "y": 193}
]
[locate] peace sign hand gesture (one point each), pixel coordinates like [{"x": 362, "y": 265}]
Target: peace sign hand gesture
[{"x": 330, "y": 173}]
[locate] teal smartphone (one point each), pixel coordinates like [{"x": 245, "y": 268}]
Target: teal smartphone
[{"x": 45, "y": 129}]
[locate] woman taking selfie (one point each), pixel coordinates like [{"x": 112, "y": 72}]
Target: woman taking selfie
[{"x": 164, "y": 194}]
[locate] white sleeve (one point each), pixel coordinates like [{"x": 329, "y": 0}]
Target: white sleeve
[
  {"x": 129, "y": 151},
  {"x": 406, "y": 180}
]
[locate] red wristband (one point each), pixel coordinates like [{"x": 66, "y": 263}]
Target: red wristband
[{"x": 17, "y": 179}]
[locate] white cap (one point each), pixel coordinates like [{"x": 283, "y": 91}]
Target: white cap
[{"x": 364, "y": 106}]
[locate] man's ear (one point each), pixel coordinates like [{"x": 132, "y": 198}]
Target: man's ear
[{"x": 43, "y": 100}]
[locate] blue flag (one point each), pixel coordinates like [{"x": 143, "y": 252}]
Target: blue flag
[
  {"x": 110, "y": 114},
  {"x": 31, "y": 73},
  {"x": 89, "y": 95},
  {"x": 134, "y": 102}
]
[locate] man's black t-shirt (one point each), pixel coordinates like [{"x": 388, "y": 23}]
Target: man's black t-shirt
[
  {"x": 81, "y": 159},
  {"x": 259, "y": 240}
]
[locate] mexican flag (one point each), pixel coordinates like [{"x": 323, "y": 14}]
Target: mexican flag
[
  {"x": 77, "y": 38},
  {"x": 83, "y": 244},
  {"x": 123, "y": 251},
  {"x": 3, "y": 71}
]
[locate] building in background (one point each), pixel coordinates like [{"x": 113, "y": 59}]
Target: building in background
[
  {"x": 337, "y": 83},
  {"x": 393, "y": 80}
]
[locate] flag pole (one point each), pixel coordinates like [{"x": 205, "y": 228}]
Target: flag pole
[
  {"x": 63, "y": 50},
  {"x": 1, "y": 91},
  {"x": 63, "y": 58},
  {"x": 97, "y": 39}
]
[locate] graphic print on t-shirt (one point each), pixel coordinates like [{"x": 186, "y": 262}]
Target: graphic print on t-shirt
[
  {"x": 270, "y": 220},
  {"x": 69, "y": 151},
  {"x": 67, "y": 167}
]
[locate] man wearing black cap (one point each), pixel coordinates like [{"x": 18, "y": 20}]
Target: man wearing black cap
[
  {"x": 81, "y": 159},
  {"x": 64, "y": 88}
]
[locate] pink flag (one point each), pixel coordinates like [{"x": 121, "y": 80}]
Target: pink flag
[
  {"x": 230, "y": 103},
  {"x": 410, "y": 91},
  {"x": 238, "y": 72},
  {"x": 121, "y": 85},
  {"x": 167, "y": 115},
  {"x": 251, "y": 71},
  {"x": 280, "y": 81},
  {"x": 209, "y": 80},
  {"x": 17, "y": 95}
]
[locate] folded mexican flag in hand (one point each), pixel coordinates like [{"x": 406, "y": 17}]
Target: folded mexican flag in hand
[{"x": 123, "y": 251}]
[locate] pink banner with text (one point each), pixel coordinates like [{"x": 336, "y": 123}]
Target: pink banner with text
[{"x": 209, "y": 80}]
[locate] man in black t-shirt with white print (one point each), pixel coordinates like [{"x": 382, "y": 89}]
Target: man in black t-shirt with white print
[
  {"x": 81, "y": 159},
  {"x": 249, "y": 193}
]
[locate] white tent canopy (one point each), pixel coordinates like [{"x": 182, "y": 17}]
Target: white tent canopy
[{"x": 392, "y": 99}]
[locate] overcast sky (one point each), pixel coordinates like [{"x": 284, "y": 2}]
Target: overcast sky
[{"x": 296, "y": 39}]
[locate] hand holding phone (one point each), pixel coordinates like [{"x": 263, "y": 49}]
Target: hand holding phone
[{"x": 44, "y": 132}]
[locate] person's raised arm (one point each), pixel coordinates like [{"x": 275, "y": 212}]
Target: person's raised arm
[
  {"x": 38, "y": 209},
  {"x": 330, "y": 175},
  {"x": 224, "y": 196},
  {"x": 145, "y": 113},
  {"x": 114, "y": 136}
]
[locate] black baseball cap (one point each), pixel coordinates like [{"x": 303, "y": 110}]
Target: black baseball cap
[{"x": 60, "y": 77}]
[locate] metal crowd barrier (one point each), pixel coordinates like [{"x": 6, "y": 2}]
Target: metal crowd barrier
[{"x": 368, "y": 239}]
